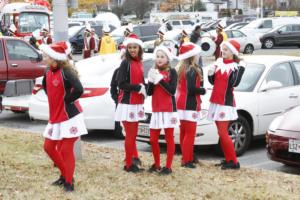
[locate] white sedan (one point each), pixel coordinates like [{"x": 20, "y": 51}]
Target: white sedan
[
  {"x": 270, "y": 85},
  {"x": 98, "y": 107}
]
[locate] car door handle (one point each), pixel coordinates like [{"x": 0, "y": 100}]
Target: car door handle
[
  {"x": 14, "y": 65},
  {"x": 293, "y": 96}
]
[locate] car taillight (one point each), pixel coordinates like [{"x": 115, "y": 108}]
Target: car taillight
[
  {"x": 36, "y": 88},
  {"x": 91, "y": 92}
]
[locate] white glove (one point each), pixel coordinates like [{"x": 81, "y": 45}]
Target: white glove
[
  {"x": 158, "y": 78},
  {"x": 211, "y": 70},
  {"x": 143, "y": 91},
  {"x": 151, "y": 75}
]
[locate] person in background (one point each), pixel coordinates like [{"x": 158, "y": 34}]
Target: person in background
[
  {"x": 160, "y": 38},
  {"x": 195, "y": 38},
  {"x": 94, "y": 35},
  {"x": 107, "y": 44},
  {"x": 46, "y": 37},
  {"x": 89, "y": 43}
]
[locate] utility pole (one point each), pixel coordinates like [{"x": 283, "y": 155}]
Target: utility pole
[{"x": 262, "y": 8}]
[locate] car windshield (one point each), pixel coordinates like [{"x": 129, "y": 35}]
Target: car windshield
[
  {"x": 73, "y": 30},
  {"x": 30, "y": 21},
  {"x": 250, "y": 78}
]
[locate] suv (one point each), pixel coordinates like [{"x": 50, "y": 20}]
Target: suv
[{"x": 287, "y": 35}]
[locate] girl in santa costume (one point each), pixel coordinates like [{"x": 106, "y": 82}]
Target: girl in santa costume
[
  {"x": 162, "y": 87},
  {"x": 131, "y": 97},
  {"x": 66, "y": 124},
  {"x": 189, "y": 89},
  {"x": 225, "y": 74}
]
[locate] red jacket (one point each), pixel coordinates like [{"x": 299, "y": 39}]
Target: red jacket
[
  {"x": 63, "y": 88},
  {"x": 227, "y": 76},
  {"x": 130, "y": 76},
  {"x": 189, "y": 89},
  {"x": 163, "y": 99}
]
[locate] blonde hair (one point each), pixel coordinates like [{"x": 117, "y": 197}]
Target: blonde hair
[
  {"x": 188, "y": 64},
  {"x": 67, "y": 65}
]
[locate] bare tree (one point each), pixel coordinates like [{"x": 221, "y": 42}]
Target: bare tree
[{"x": 139, "y": 7}]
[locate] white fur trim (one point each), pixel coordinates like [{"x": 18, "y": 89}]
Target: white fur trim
[
  {"x": 134, "y": 41},
  {"x": 231, "y": 47},
  {"x": 196, "y": 51},
  {"x": 165, "y": 50},
  {"x": 225, "y": 67},
  {"x": 53, "y": 54},
  {"x": 69, "y": 49}
]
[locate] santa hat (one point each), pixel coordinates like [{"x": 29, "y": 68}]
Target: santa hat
[
  {"x": 88, "y": 28},
  {"x": 106, "y": 29},
  {"x": 220, "y": 27},
  {"x": 184, "y": 33},
  {"x": 55, "y": 51},
  {"x": 133, "y": 38},
  {"x": 161, "y": 32},
  {"x": 165, "y": 50},
  {"x": 129, "y": 28},
  {"x": 66, "y": 46},
  {"x": 188, "y": 50},
  {"x": 233, "y": 45}
]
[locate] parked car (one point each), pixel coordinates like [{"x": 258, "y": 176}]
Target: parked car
[
  {"x": 209, "y": 26},
  {"x": 287, "y": 35},
  {"x": 263, "y": 25},
  {"x": 182, "y": 24},
  {"x": 71, "y": 24},
  {"x": 98, "y": 107},
  {"x": 248, "y": 42},
  {"x": 18, "y": 61},
  {"x": 270, "y": 85},
  {"x": 146, "y": 32},
  {"x": 76, "y": 36},
  {"x": 283, "y": 138}
]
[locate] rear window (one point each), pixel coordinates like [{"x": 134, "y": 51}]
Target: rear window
[
  {"x": 149, "y": 30},
  {"x": 176, "y": 23},
  {"x": 267, "y": 24},
  {"x": 187, "y": 23},
  {"x": 296, "y": 28}
]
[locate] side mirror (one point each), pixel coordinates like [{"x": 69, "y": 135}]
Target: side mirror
[
  {"x": 39, "y": 58},
  {"x": 271, "y": 85},
  {"x": 279, "y": 31}
]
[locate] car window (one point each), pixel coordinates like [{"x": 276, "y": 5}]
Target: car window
[
  {"x": 297, "y": 67},
  {"x": 137, "y": 31},
  {"x": 281, "y": 73},
  {"x": 267, "y": 24},
  {"x": 284, "y": 29},
  {"x": 187, "y": 23},
  {"x": 176, "y": 23},
  {"x": 229, "y": 34},
  {"x": 1, "y": 52},
  {"x": 250, "y": 78},
  {"x": 19, "y": 50},
  {"x": 296, "y": 28},
  {"x": 149, "y": 30},
  {"x": 237, "y": 34}
]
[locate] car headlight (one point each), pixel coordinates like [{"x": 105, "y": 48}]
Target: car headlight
[
  {"x": 203, "y": 114},
  {"x": 275, "y": 123}
]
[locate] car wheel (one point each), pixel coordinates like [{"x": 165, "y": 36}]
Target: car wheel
[
  {"x": 240, "y": 133},
  {"x": 74, "y": 48},
  {"x": 249, "y": 49},
  {"x": 119, "y": 131},
  {"x": 269, "y": 43}
]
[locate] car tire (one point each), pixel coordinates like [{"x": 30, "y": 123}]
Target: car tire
[
  {"x": 249, "y": 49},
  {"x": 269, "y": 43},
  {"x": 241, "y": 137},
  {"x": 119, "y": 131}
]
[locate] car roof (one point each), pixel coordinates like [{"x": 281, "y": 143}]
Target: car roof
[{"x": 269, "y": 60}]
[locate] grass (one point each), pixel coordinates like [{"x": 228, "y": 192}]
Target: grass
[{"x": 26, "y": 173}]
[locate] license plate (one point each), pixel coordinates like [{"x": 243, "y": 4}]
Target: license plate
[
  {"x": 294, "y": 146},
  {"x": 144, "y": 131}
]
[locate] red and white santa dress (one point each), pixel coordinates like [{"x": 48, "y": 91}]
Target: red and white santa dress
[
  {"x": 188, "y": 101},
  {"x": 131, "y": 97},
  {"x": 89, "y": 43},
  {"x": 224, "y": 75},
  {"x": 162, "y": 87}
]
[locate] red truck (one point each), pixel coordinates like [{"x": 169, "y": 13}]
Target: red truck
[{"x": 20, "y": 64}]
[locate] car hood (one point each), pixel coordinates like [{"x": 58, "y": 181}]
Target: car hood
[{"x": 290, "y": 121}]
